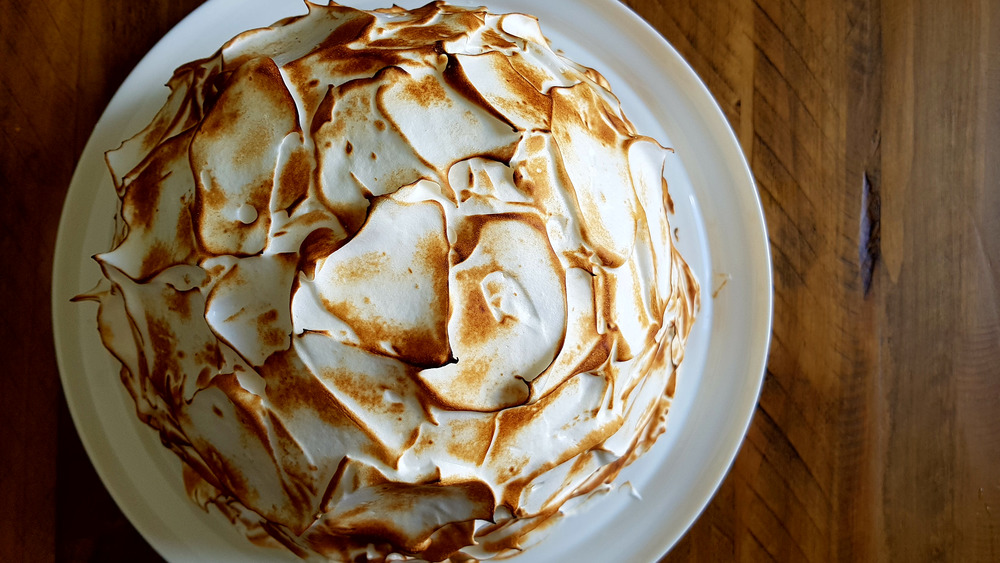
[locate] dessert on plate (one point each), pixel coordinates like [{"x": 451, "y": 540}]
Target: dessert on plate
[{"x": 394, "y": 284}]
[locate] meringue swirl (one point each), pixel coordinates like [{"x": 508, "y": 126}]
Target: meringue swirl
[{"x": 395, "y": 281}]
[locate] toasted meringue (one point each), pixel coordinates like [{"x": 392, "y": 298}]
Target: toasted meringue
[{"x": 395, "y": 283}]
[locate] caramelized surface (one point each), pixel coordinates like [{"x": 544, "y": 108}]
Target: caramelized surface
[{"x": 393, "y": 277}]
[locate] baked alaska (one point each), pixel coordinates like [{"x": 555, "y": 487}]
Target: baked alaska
[{"x": 394, "y": 284}]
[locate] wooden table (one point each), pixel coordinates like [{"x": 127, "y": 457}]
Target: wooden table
[{"x": 873, "y": 129}]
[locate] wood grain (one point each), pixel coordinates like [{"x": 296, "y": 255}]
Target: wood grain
[{"x": 873, "y": 130}]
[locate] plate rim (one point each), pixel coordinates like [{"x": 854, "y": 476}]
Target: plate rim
[{"x": 69, "y": 217}]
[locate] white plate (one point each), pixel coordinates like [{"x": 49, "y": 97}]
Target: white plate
[{"x": 722, "y": 234}]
